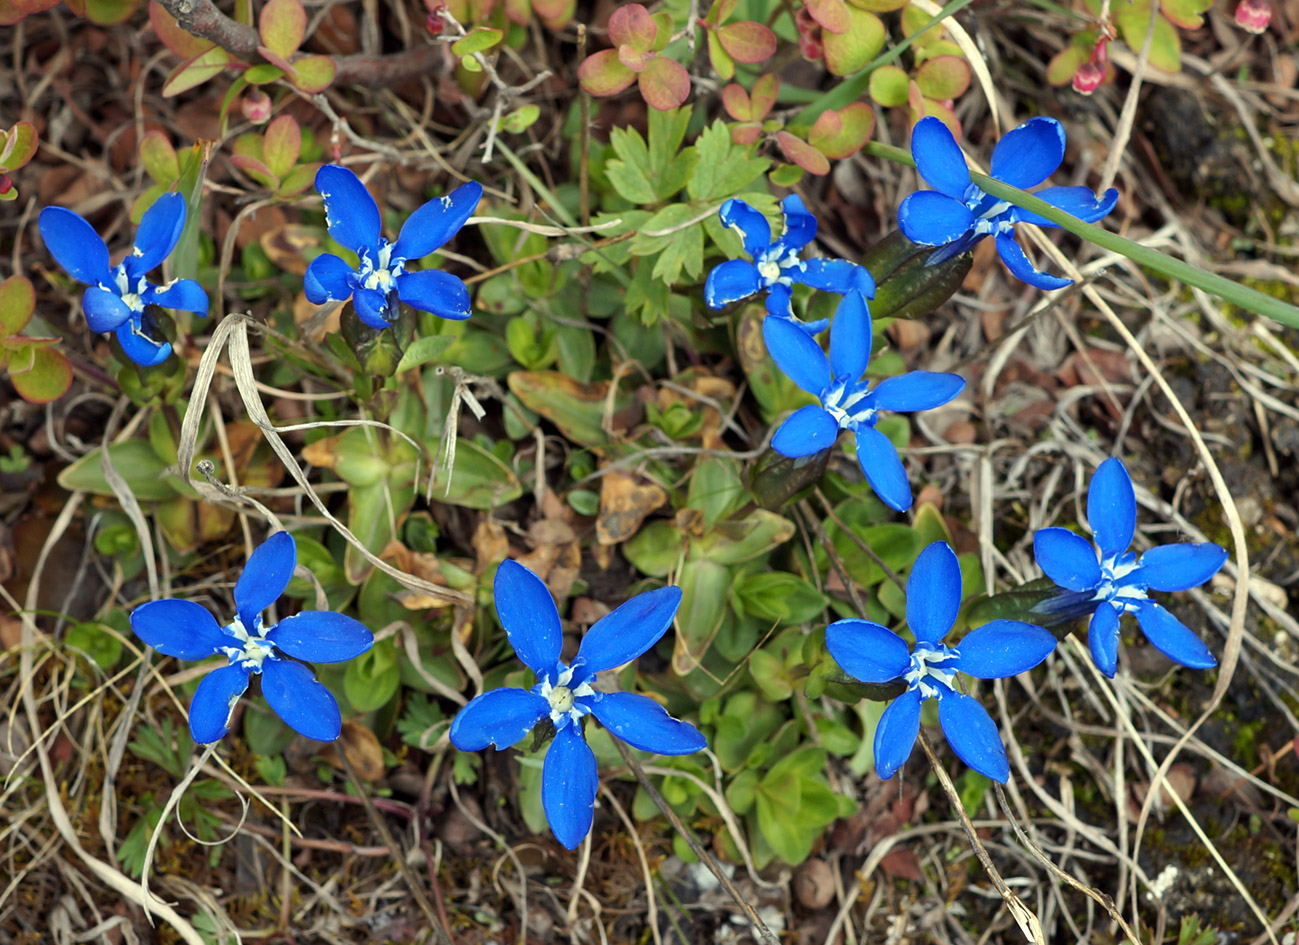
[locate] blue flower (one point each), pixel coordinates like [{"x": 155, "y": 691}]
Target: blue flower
[
  {"x": 957, "y": 213},
  {"x": 776, "y": 266},
  {"x": 563, "y": 694},
  {"x": 183, "y": 629},
  {"x": 847, "y": 401},
  {"x": 352, "y": 218},
  {"x": 875, "y": 654},
  {"x": 118, "y": 295},
  {"x": 1118, "y": 582}
]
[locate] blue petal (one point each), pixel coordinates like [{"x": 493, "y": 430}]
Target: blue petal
[
  {"x": 918, "y": 390},
  {"x": 1080, "y": 202},
  {"x": 832, "y": 275},
  {"x": 431, "y": 290},
  {"x": 934, "y": 592},
  {"x": 320, "y": 636},
  {"x": 301, "y": 700},
  {"x": 1029, "y": 154},
  {"x": 895, "y": 735},
  {"x": 932, "y": 219},
  {"x": 808, "y": 430},
  {"x": 157, "y": 236},
  {"x": 883, "y": 467},
  {"x": 1180, "y": 567},
  {"x": 973, "y": 736},
  {"x": 797, "y": 354},
  {"x": 644, "y": 724},
  {"x": 185, "y": 295},
  {"x": 328, "y": 279},
  {"x": 733, "y": 280},
  {"x": 1002, "y": 648},
  {"x": 850, "y": 337},
  {"x": 620, "y": 637},
  {"x": 569, "y": 783},
  {"x": 372, "y": 308},
  {"x": 529, "y": 616},
  {"x": 265, "y": 577},
  {"x": 800, "y": 226},
  {"x": 214, "y": 703},
  {"x": 75, "y": 245},
  {"x": 1103, "y": 638},
  {"x": 749, "y": 223},
  {"x": 1112, "y": 508},
  {"x": 140, "y": 346},
  {"x": 1013, "y": 255},
  {"x": 178, "y": 628},
  {"x": 1171, "y": 637},
  {"x": 939, "y": 159},
  {"x": 867, "y": 651},
  {"x": 437, "y": 221},
  {"x": 500, "y": 717},
  {"x": 351, "y": 215},
  {"x": 779, "y": 302},
  {"x": 1066, "y": 558},
  {"x": 105, "y": 311}
]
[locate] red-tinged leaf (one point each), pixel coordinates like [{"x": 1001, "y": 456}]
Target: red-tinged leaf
[
  {"x": 146, "y": 200},
  {"x": 721, "y": 10},
  {"x": 518, "y": 11},
  {"x": 746, "y": 132},
  {"x": 830, "y": 15},
  {"x": 827, "y": 125},
  {"x": 803, "y": 154},
  {"x": 109, "y": 12},
  {"x": 556, "y": 14},
  {"x": 297, "y": 180},
  {"x": 313, "y": 74},
  {"x": 78, "y": 7},
  {"x": 764, "y": 95},
  {"x": 47, "y": 379},
  {"x": 282, "y": 145},
  {"x": 19, "y": 144},
  {"x": 889, "y": 86},
  {"x": 17, "y": 302},
  {"x": 18, "y": 355},
  {"x": 633, "y": 60},
  {"x": 915, "y": 19},
  {"x": 196, "y": 71},
  {"x": 842, "y": 134},
  {"x": 12, "y": 11},
  {"x": 666, "y": 28},
  {"x": 250, "y": 145},
  {"x": 631, "y": 25},
  {"x": 603, "y": 74},
  {"x": 748, "y": 42},
  {"x": 850, "y": 51},
  {"x": 664, "y": 84},
  {"x": 180, "y": 41},
  {"x": 282, "y": 25},
  {"x": 1060, "y": 70},
  {"x": 736, "y": 102},
  {"x": 921, "y": 107},
  {"x": 256, "y": 170},
  {"x": 1185, "y": 13},
  {"x": 159, "y": 157},
  {"x": 879, "y": 6},
  {"x": 946, "y": 77},
  {"x": 722, "y": 62}
]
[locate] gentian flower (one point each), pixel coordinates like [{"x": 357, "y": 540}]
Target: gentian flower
[
  {"x": 957, "y": 213},
  {"x": 117, "y": 296},
  {"x": 183, "y": 629},
  {"x": 875, "y": 654},
  {"x": 776, "y": 266},
  {"x": 352, "y": 217},
  {"x": 1118, "y": 582},
  {"x": 848, "y": 402},
  {"x": 563, "y": 694}
]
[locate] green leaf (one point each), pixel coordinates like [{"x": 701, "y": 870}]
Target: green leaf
[
  {"x": 631, "y": 174},
  {"x": 48, "y": 378},
  {"x": 94, "y": 640},
  {"x": 943, "y": 77},
  {"x": 704, "y": 586},
  {"x": 17, "y": 302},
  {"x": 715, "y": 488},
  {"x": 722, "y": 169},
  {"x": 521, "y": 119},
  {"x": 779, "y": 596},
  {"x": 786, "y": 175},
  {"x": 17, "y": 146},
  {"x": 282, "y": 25},
  {"x": 851, "y": 51},
  {"x": 895, "y": 544},
  {"x": 282, "y": 144},
  {"x": 159, "y": 158},
  {"x": 313, "y": 74},
  {"x": 798, "y": 151},
  {"x": 194, "y": 72},
  {"x": 372, "y": 678},
  {"x": 479, "y": 479},
  {"x": 888, "y": 86},
  {"x": 770, "y": 675},
  {"x": 577, "y": 409},
  {"x": 477, "y": 40},
  {"x": 135, "y": 460},
  {"x": 841, "y": 134},
  {"x": 603, "y": 74},
  {"x": 739, "y": 540},
  {"x": 423, "y": 350},
  {"x": 1165, "y": 46},
  {"x": 655, "y": 549}
]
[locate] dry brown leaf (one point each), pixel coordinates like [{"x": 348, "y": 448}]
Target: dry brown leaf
[
  {"x": 362, "y": 748},
  {"x": 625, "y": 501}
]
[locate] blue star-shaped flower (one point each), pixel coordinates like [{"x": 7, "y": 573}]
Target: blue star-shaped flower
[
  {"x": 957, "y": 213},
  {"x": 848, "y": 402},
  {"x": 875, "y": 654},
  {"x": 352, "y": 217},
  {"x": 776, "y": 266},
  {"x": 1118, "y": 582},
  {"x": 183, "y": 629},
  {"x": 564, "y": 694},
  {"x": 117, "y": 295}
]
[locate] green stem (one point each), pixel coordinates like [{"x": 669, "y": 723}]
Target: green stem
[{"x": 1249, "y": 299}]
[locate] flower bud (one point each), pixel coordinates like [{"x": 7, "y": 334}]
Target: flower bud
[
  {"x": 256, "y": 106},
  {"x": 434, "y": 23},
  {"x": 1092, "y": 72},
  {"x": 6, "y": 183},
  {"x": 1253, "y": 16}
]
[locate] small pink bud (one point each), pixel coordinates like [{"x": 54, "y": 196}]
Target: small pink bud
[
  {"x": 1253, "y": 16},
  {"x": 435, "y": 24},
  {"x": 6, "y": 183},
  {"x": 1092, "y": 72},
  {"x": 809, "y": 35},
  {"x": 256, "y": 106}
]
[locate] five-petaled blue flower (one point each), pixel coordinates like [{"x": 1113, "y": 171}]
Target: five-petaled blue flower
[
  {"x": 564, "y": 694},
  {"x": 183, "y": 629},
  {"x": 875, "y": 654},
  {"x": 352, "y": 218},
  {"x": 848, "y": 402},
  {"x": 117, "y": 296},
  {"x": 957, "y": 213},
  {"x": 1118, "y": 582},
  {"x": 776, "y": 266}
]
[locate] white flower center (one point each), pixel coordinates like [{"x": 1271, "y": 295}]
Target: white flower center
[
  {"x": 134, "y": 300},
  {"x": 848, "y": 403},
  {"x": 563, "y": 697},
  {"x": 254, "y": 649},
  {"x": 1113, "y": 589},
  {"x": 931, "y": 671},
  {"x": 382, "y": 277}
]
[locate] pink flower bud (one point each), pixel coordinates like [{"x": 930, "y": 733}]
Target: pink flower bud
[
  {"x": 256, "y": 106},
  {"x": 1092, "y": 72},
  {"x": 6, "y": 183},
  {"x": 1253, "y": 16},
  {"x": 435, "y": 24},
  {"x": 809, "y": 35}
]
